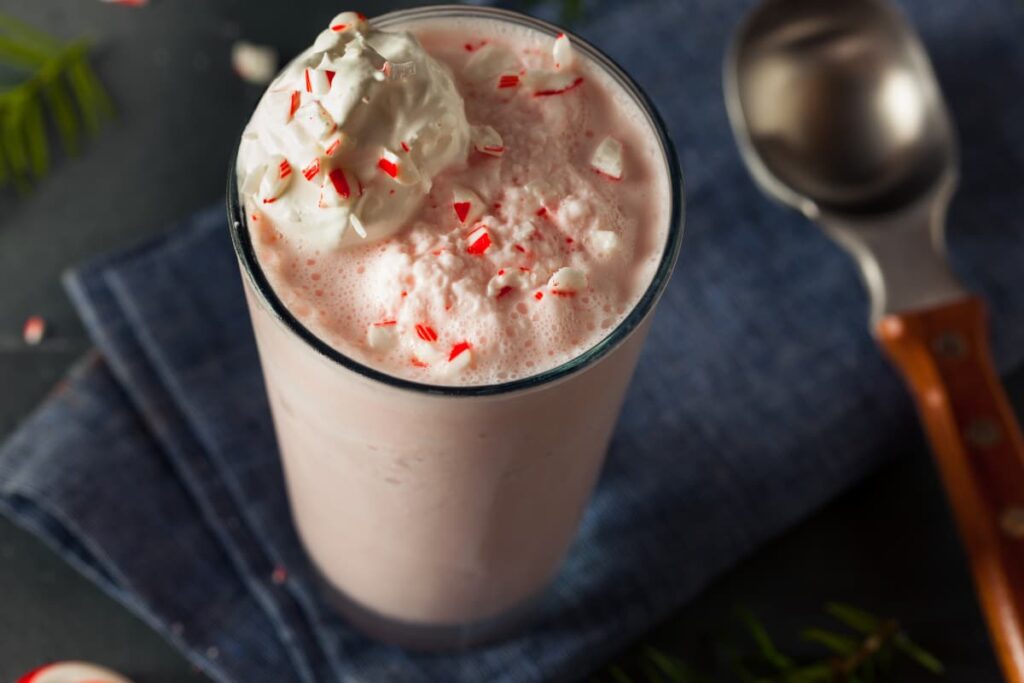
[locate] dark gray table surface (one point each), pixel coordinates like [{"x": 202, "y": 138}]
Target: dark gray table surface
[{"x": 887, "y": 545}]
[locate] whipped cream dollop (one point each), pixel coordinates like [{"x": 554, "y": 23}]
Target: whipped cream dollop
[{"x": 346, "y": 142}]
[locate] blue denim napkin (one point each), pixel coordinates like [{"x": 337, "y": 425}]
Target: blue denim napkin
[{"x": 760, "y": 395}]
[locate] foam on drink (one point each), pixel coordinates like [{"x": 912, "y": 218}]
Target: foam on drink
[{"x": 494, "y": 205}]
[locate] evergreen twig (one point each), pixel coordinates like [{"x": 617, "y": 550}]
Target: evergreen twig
[
  {"x": 863, "y": 654},
  {"x": 54, "y": 83}
]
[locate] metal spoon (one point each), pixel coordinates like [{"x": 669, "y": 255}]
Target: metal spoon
[{"x": 837, "y": 113}]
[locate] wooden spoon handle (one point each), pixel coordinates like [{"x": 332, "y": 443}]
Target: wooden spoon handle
[{"x": 945, "y": 358}]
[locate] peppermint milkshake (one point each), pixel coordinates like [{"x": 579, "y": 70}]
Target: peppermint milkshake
[{"x": 454, "y": 223}]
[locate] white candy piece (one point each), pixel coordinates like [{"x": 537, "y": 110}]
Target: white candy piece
[
  {"x": 253, "y": 179},
  {"x": 459, "y": 358},
  {"x": 567, "y": 281},
  {"x": 382, "y": 337},
  {"x": 74, "y": 672},
  {"x": 490, "y": 61},
  {"x": 357, "y": 225},
  {"x": 254, "y": 63},
  {"x": 486, "y": 140},
  {"x": 280, "y": 105},
  {"x": 276, "y": 177},
  {"x": 607, "y": 158},
  {"x": 316, "y": 81},
  {"x": 604, "y": 242},
  {"x": 314, "y": 120},
  {"x": 507, "y": 277},
  {"x": 342, "y": 98},
  {"x": 468, "y": 205},
  {"x": 562, "y": 52},
  {"x": 547, "y": 83},
  {"x": 348, "y": 21}
]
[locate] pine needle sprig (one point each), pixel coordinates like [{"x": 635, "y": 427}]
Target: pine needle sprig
[
  {"x": 51, "y": 79},
  {"x": 863, "y": 653}
]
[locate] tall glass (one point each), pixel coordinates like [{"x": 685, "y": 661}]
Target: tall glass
[{"x": 438, "y": 515}]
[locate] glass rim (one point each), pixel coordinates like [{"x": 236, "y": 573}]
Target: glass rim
[{"x": 241, "y": 238}]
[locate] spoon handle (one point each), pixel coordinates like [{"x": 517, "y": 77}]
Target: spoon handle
[{"x": 945, "y": 358}]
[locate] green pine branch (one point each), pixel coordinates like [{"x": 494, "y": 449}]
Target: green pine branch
[
  {"x": 53, "y": 84},
  {"x": 864, "y": 652}
]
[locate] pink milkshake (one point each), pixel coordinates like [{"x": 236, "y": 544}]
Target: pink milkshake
[{"x": 454, "y": 224}]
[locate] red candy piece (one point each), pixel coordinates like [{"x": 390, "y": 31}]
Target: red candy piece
[
  {"x": 34, "y": 330},
  {"x": 388, "y": 166},
  {"x": 458, "y": 349},
  {"x": 479, "y": 241},
  {"x": 340, "y": 183},
  {"x": 426, "y": 332},
  {"x": 312, "y": 170}
]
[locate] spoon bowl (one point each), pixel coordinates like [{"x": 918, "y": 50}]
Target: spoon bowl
[{"x": 839, "y": 106}]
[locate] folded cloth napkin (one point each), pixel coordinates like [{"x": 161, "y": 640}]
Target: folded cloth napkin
[{"x": 760, "y": 395}]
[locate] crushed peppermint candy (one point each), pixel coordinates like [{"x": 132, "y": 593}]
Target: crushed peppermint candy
[
  {"x": 562, "y": 52},
  {"x": 478, "y": 241},
  {"x": 426, "y": 332},
  {"x": 348, "y": 21},
  {"x": 508, "y": 81},
  {"x": 333, "y": 143},
  {"x": 401, "y": 169},
  {"x": 72, "y": 672},
  {"x": 486, "y": 140},
  {"x": 283, "y": 104},
  {"x": 467, "y": 205},
  {"x": 357, "y": 225},
  {"x": 567, "y": 282},
  {"x": 460, "y": 357},
  {"x": 318, "y": 82},
  {"x": 388, "y": 163},
  {"x": 34, "y": 330},
  {"x": 257, "y": 64},
  {"x": 504, "y": 282},
  {"x": 336, "y": 189},
  {"x": 275, "y": 178},
  {"x": 311, "y": 171},
  {"x": 607, "y": 158}
]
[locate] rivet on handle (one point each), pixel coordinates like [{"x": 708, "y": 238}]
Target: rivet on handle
[
  {"x": 949, "y": 345},
  {"x": 982, "y": 432},
  {"x": 1012, "y": 522}
]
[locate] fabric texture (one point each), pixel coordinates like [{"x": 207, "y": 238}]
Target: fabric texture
[{"x": 760, "y": 394}]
